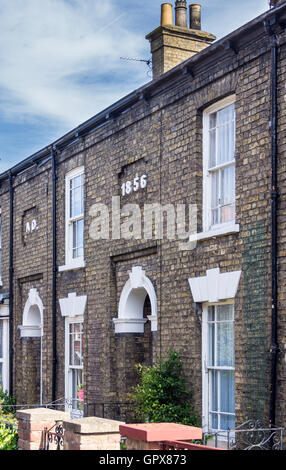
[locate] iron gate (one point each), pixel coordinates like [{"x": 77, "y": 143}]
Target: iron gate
[{"x": 54, "y": 437}]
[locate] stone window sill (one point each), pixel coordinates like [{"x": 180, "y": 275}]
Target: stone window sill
[
  {"x": 75, "y": 264},
  {"x": 218, "y": 232}
]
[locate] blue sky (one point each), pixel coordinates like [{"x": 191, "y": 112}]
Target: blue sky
[{"x": 60, "y": 61}]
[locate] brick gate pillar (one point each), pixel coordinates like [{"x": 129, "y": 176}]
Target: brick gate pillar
[
  {"x": 91, "y": 434},
  {"x": 32, "y": 423}
]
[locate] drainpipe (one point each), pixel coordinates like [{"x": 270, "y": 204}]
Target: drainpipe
[
  {"x": 41, "y": 371},
  {"x": 274, "y": 207},
  {"x": 54, "y": 277},
  {"x": 11, "y": 278}
]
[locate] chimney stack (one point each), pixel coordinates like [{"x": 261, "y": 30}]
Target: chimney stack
[
  {"x": 181, "y": 13},
  {"x": 195, "y": 16},
  {"x": 172, "y": 44},
  {"x": 166, "y": 14},
  {"x": 275, "y": 3}
]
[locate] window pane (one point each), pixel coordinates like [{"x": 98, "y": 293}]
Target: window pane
[
  {"x": 211, "y": 345},
  {"x": 71, "y": 359},
  {"x": 213, "y": 120},
  {"x": 211, "y": 336},
  {"x": 225, "y": 134},
  {"x": 221, "y": 145},
  {"x": 215, "y": 197},
  {"x": 228, "y": 213},
  {"x": 214, "y": 421},
  {"x": 76, "y": 344},
  {"x": 78, "y": 236},
  {"x": 77, "y": 382},
  {"x": 76, "y": 196},
  {"x": 223, "y": 116},
  {"x": 214, "y": 390},
  {"x": 212, "y": 161},
  {"x": 211, "y": 313},
  {"x": 1, "y": 339},
  {"x": 225, "y": 312},
  {"x": 227, "y": 392},
  {"x": 225, "y": 346},
  {"x": 227, "y": 422},
  {"x": 212, "y": 140},
  {"x": 228, "y": 193},
  {"x": 215, "y": 189},
  {"x": 228, "y": 185},
  {"x": 215, "y": 216}
]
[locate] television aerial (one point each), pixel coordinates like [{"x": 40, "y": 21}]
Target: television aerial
[{"x": 148, "y": 62}]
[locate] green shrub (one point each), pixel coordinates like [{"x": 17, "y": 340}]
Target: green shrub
[
  {"x": 8, "y": 437},
  {"x": 8, "y": 434},
  {"x": 6, "y": 403},
  {"x": 162, "y": 394}
]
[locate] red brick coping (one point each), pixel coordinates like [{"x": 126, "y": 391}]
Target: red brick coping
[{"x": 157, "y": 432}]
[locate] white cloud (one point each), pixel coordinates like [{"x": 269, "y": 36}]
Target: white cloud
[
  {"x": 47, "y": 46},
  {"x": 60, "y": 59}
]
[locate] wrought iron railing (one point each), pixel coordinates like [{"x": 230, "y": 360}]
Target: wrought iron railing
[
  {"x": 117, "y": 411},
  {"x": 251, "y": 435}
]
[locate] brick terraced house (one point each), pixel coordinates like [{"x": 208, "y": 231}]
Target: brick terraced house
[{"x": 78, "y": 309}]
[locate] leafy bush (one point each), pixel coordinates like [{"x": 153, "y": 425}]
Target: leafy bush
[
  {"x": 163, "y": 395},
  {"x": 8, "y": 437},
  {"x": 6, "y": 403},
  {"x": 8, "y": 422}
]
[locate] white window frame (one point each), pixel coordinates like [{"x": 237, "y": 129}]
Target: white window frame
[
  {"x": 70, "y": 262},
  {"x": 222, "y": 228},
  {"x": 68, "y": 368},
  {"x": 205, "y": 369},
  {"x": 5, "y": 359}
]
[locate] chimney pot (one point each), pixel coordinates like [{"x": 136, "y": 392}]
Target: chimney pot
[
  {"x": 171, "y": 45},
  {"x": 166, "y": 14},
  {"x": 195, "y": 16},
  {"x": 181, "y": 13}
]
